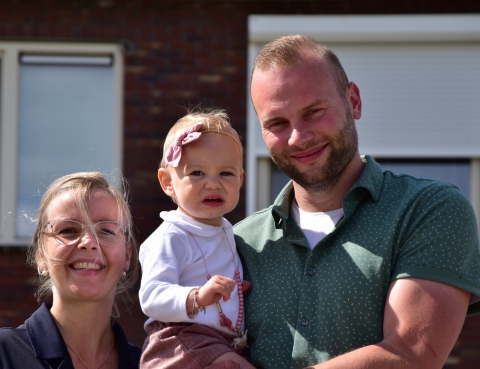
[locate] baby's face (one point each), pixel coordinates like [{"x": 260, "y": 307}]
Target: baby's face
[{"x": 208, "y": 178}]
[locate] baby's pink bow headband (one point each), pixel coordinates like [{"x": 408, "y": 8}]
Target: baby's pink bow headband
[{"x": 174, "y": 152}]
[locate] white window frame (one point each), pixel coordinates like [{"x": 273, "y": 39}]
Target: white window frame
[
  {"x": 10, "y": 52},
  {"x": 344, "y": 29}
]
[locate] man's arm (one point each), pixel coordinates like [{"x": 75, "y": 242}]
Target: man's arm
[{"x": 422, "y": 321}]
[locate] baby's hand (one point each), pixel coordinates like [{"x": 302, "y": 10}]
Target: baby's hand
[{"x": 217, "y": 287}]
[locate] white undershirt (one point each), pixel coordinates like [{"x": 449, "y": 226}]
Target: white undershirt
[{"x": 316, "y": 226}]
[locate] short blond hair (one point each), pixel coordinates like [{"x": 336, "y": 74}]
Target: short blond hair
[
  {"x": 290, "y": 50},
  {"x": 83, "y": 184},
  {"x": 212, "y": 121}
]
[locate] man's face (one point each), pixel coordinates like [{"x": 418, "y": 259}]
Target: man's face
[{"x": 309, "y": 129}]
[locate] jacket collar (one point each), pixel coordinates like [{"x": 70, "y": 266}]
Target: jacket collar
[{"x": 48, "y": 343}]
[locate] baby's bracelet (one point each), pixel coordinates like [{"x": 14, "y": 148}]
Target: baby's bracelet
[{"x": 196, "y": 308}]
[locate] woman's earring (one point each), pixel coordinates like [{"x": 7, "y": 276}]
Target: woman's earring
[
  {"x": 44, "y": 273},
  {"x": 124, "y": 274}
]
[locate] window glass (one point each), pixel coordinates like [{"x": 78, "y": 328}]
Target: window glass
[
  {"x": 456, "y": 172},
  {"x": 66, "y": 124},
  {"x": 1, "y": 84},
  {"x": 278, "y": 181}
]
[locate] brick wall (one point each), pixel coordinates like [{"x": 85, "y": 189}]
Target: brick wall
[{"x": 182, "y": 53}]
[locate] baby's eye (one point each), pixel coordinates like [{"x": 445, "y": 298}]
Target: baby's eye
[
  {"x": 197, "y": 173},
  {"x": 226, "y": 174}
]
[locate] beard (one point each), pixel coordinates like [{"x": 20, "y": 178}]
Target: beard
[{"x": 344, "y": 147}]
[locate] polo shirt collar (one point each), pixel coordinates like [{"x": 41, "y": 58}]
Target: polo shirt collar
[
  {"x": 371, "y": 179},
  {"x": 281, "y": 206},
  {"x": 47, "y": 342},
  {"x": 370, "y": 182}
]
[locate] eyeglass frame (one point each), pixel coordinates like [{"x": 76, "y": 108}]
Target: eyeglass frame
[{"x": 123, "y": 226}]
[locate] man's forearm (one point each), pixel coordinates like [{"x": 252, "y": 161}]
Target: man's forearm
[{"x": 372, "y": 357}]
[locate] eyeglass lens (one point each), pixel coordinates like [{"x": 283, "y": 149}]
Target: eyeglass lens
[{"x": 68, "y": 232}]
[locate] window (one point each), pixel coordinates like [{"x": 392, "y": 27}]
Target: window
[
  {"x": 62, "y": 114},
  {"x": 419, "y": 79}
]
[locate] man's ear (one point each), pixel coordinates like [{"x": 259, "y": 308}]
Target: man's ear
[
  {"x": 353, "y": 97},
  {"x": 165, "y": 180}
]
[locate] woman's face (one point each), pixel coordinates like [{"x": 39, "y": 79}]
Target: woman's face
[{"x": 84, "y": 270}]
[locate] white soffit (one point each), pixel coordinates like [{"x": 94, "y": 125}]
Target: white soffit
[
  {"x": 419, "y": 78},
  {"x": 367, "y": 28}
]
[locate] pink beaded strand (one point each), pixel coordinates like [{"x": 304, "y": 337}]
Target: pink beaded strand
[{"x": 224, "y": 320}]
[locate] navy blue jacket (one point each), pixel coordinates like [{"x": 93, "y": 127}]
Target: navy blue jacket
[{"x": 39, "y": 344}]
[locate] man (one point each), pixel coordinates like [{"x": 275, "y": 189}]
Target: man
[{"x": 351, "y": 267}]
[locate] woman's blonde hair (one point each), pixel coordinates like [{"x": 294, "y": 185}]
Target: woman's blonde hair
[
  {"x": 212, "y": 121},
  {"x": 83, "y": 184}
]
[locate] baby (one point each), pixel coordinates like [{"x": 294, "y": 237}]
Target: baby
[{"x": 192, "y": 288}]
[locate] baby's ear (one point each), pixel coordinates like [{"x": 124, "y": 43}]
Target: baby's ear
[{"x": 165, "y": 180}]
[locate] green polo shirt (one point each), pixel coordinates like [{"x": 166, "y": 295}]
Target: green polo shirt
[{"x": 307, "y": 306}]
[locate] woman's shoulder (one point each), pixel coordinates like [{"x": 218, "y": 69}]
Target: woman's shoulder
[
  {"x": 34, "y": 344},
  {"x": 17, "y": 352},
  {"x": 10, "y": 336}
]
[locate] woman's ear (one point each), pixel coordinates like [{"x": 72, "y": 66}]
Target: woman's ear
[
  {"x": 42, "y": 265},
  {"x": 165, "y": 180}
]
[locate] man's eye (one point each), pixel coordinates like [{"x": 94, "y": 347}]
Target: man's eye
[
  {"x": 276, "y": 124},
  {"x": 314, "y": 111}
]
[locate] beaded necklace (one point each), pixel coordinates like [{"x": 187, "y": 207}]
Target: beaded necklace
[{"x": 224, "y": 320}]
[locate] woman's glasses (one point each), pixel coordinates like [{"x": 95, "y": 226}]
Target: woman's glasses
[{"x": 69, "y": 232}]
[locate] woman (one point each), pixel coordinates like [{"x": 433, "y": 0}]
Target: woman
[{"x": 87, "y": 257}]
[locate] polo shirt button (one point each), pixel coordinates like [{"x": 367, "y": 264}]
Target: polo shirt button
[
  {"x": 311, "y": 271},
  {"x": 304, "y": 321}
]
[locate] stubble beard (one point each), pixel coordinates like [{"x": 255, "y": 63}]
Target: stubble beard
[{"x": 343, "y": 149}]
